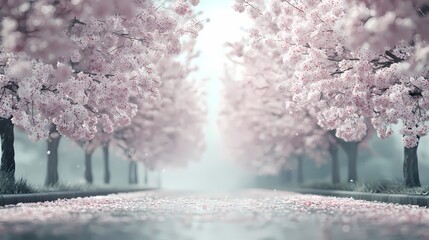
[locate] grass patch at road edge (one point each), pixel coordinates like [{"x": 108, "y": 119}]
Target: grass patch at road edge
[
  {"x": 20, "y": 186},
  {"x": 388, "y": 186}
]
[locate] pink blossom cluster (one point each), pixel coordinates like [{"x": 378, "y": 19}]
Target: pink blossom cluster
[
  {"x": 183, "y": 7},
  {"x": 38, "y": 27},
  {"x": 382, "y": 25},
  {"x": 78, "y": 64}
]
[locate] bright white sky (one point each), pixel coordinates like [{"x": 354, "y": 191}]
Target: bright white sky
[{"x": 213, "y": 171}]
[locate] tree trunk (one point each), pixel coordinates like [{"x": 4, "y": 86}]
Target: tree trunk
[
  {"x": 88, "y": 167},
  {"x": 411, "y": 167},
  {"x": 52, "y": 164},
  {"x": 300, "y": 170},
  {"x": 159, "y": 179},
  {"x": 145, "y": 176},
  {"x": 132, "y": 173},
  {"x": 106, "y": 163},
  {"x": 286, "y": 176},
  {"x": 136, "y": 175},
  {"x": 333, "y": 151},
  {"x": 351, "y": 149},
  {"x": 7, "y": 168},
  {"x": 289, "y": 175}
]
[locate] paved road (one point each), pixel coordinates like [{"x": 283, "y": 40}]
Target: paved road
[{"x": 247, "y": 215}]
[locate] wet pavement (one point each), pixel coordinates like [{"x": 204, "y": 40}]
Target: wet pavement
[{"x": 249, "y": 214}]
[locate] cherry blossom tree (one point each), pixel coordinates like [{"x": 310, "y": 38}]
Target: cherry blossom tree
[
  {"x": 168, "y": 132},
  {"x": 259, "y": 131},
  {"x": 79, "y": 65},
  {"x": 397, "y": 32}
]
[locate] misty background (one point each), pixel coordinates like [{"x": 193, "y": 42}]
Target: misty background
[{"x": 379, "y": 159}]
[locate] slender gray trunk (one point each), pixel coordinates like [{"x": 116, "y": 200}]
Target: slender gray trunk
[
  {"x": 285, "y": 176},
  {"x": 136, "y": 175},
  {"x": 288, "y": 176},
  {"x": 411, "y": 167},
  {"x": 159, "y": 179},
  {"x": 7, "y": 168},
  {"x": 132, "y": 173},
  {"x": 52, "y": 164},
  {"x": 351, "y": 149},
  {"x": 300, "y": 170},
  {"x": 145, "y": 176},
  {"x": 88, "y": 167},
  {"x": 106, "y": 163},
  {"x": 333, "y": 151}
]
